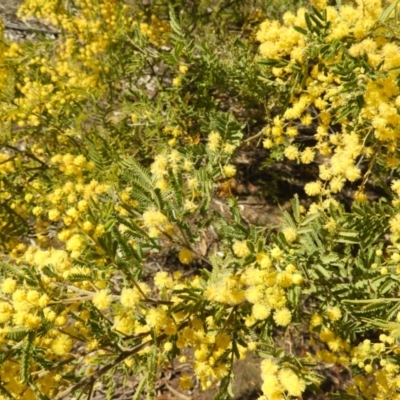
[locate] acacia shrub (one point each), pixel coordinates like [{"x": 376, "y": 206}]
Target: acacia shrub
[{"x": 114, "y": 149}]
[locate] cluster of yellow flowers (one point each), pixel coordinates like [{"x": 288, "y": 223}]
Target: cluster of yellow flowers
[
  {"x": 156, "y": 30},
  {"x": 262, "y": 285},
  {"x": 378, "y": 376},
  {"x": 23, "y": 308},
  {"x": 154, "y": 220},
  {"x": 278, "y": 381},
  {"x": 395, "y": 220},
  {"x": 6, "y": 164},
  {"x": 11, "y": 379},
  {"x": 209, "y": 348},
  {"x": 41, "y": 115},
  {"x": 65, "y": 207},
  {"x": 66, "y": 297},
  {"x": 77, "y": 287},
  {"x": 356, "y": 79},
  {"x": 75, "y": 64},
  {"x": 79, "y": 64},
  {"x": 4, "y": 73}
]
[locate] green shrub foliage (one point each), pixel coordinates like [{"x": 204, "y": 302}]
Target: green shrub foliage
[{"x": 119, "y": 146}]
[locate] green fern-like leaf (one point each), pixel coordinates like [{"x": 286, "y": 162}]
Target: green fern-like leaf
[
  {"x": 176, "y": 182},
  {"x": 141, "y": 172},
  {"x": 126, "y": 248},
  {"x": 289, "y": 220},
  {"x": 26, "y": 356},
  {"x": 227, "y": 126},
  {"x": 80, "y": 278},
  {"x": 99, "y": 154},
  {"x": 175, "y": 25},
  {"x": 296, "y": 208},
  {"x": 17, "y": 334}
]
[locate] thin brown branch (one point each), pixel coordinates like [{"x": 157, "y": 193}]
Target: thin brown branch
[{"x": 24, "y": 28}]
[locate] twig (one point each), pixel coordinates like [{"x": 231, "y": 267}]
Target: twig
[
  {"x": 15, "y": 27},
  {"x": 371, "y": 165},
  {"x": 176, "y": 393},
  {"x": 257, "y": 135}
]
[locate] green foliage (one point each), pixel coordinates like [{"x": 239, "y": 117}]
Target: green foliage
[{"x": 129, "y": 143}]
